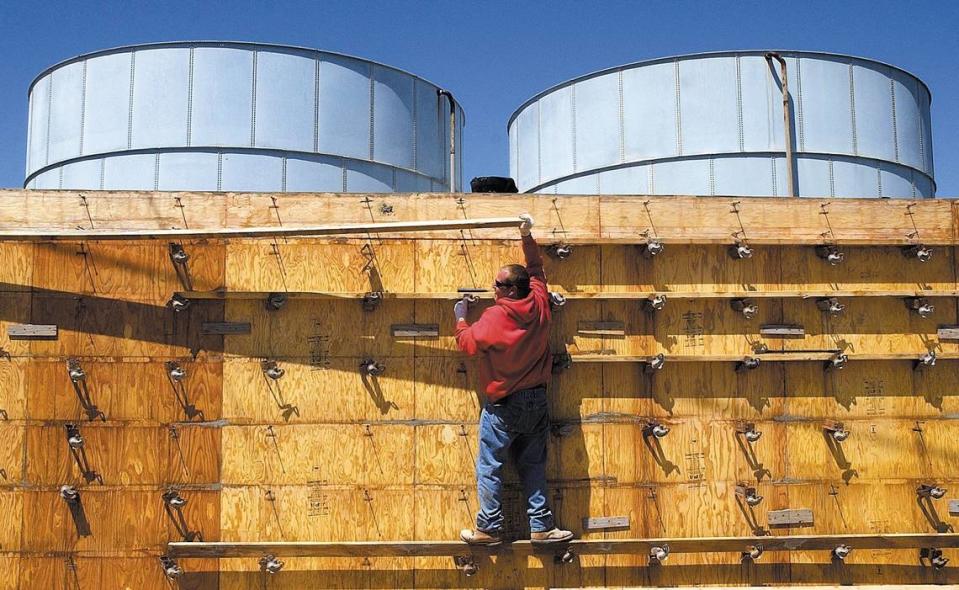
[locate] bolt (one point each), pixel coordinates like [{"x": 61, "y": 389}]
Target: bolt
[
  {"x": 175, "y": 371},
  {"x": 372, "y": 368},
  {"x": 74, "y": 439},
  {"x": 654, "y": 364},
  {"x": 830, "y": 254},
  {"x": 276, "y": 301},
  {"x": 371, "y": 301},
  {"x": 178, "y": 303},
  {"x": 75, "y": 371},
  {"x": 836, "y": 430},
  {"x": 741, "y": 251},
  {"x": 560, "y": 251},
  {"x": 556, "y": 300},
  {"x": 747, "y": 307},
  {"x": 659, "y": 554},
  {"x": 749, "y": 493},
  {"x": 754, "y": 553},
  {"x": 749, "y": 431},
  {"x": 930, "y": 491},
  {"x": 652, "y": 248},
  {"x": 747, "y": 364},
  {"x": 178, "y": 254},
  {"x": 69, "y": 494},
  {"x": 838, "y": 362},
  {"x": 173, "y": 499},
  {"x": 270, "y": 564},
  {"x": 830, "y": 305},
  {"x": 271, "y": 370},
  {"x": 655, "y": 429},
  {"x": 655, "y": 302},
  {"x": 919, "y": 252},
  {"x": 921, "y": 306},
  {"x": 170, "y": 567},
  {"x": 841, "y": 552}
]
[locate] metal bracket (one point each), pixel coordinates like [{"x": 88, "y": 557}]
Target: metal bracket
[
  {"x": 32, "y": 332},
  {"x": 371, "y": 301},
  {"x": 790, "y": 517},
  {"x": 598, "y": 523},
  {"x": 465, "y": 563},
  {"x": 224, "y": 328},
  {"x": 415, "y": 330},
  {"x": 783, "y": 331}
]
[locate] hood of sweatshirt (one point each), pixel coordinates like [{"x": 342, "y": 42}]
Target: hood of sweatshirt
[{"x": 523, "y": 311}]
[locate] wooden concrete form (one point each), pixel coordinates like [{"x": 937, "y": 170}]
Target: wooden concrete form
[{"x": 328, "y": 460}]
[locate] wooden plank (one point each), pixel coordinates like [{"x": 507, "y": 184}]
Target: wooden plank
[
  {"x": 32, "y": 332},
  {"x": 770, "y": 357},
  {"x": 948, "y": 333},
  {"x": 12, "y": 452},
  {"x": 259, "y": 232},
  {"x": 13, "y": 389},
  {"x": 585, "y": 547}
]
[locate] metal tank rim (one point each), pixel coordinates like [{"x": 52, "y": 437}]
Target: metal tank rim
[
  {"x": 706, "y": 54},
  {"x": 228, "y": 44}
]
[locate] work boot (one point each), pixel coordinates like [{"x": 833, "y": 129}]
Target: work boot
[
  {"x": 553, "y": 535},
  {"x": 479, "y": 538}
]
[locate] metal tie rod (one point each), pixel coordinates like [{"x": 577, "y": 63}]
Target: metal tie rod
[{"x": 261, "y": 232}]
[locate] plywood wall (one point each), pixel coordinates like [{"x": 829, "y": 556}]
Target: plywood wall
[{"x": 326, "y": 454}]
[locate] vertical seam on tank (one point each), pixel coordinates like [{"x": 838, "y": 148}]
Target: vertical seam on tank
[
  {"x": 283, "y": 179},
  {"x": 922, "y": 143},
  {"x": 103, "y": 167},
  {"x": 739, "y": 103},
  {"x": 772, "y": 162},
  {"x": 219, "y": 171},
  {"x": 343, "y": 168},
  {"x": 678, "y": 109},
  {"x": 539, "y": 142},
  {"x": 393, "y": 180},
  {"x": 912, "y": 181},
  {"x": 253, "y": 104},
  {"x": 156, "y": 172},
  {"x": 29, "y": 134},
  {"x": 316, "y": 105},
  {"x": 372, "y": 112},
  {"x": 651, "y": 179},
  {"x": 572, "y": 104},
  {"x": 60, "y": 177},
  {"x": 133, "y": 69},
  {"x": 801, "y": 121},
  {"x": 895, "y": 120},
  {"x": 83, "y": 104},
  {"x": 189, "y": 100},
  {"x": 622, "y": 121},
  {"x": 832, "y": 180},
  {"x": 415, "y": 123},
  {"x": 879, "y": 177},
  {"x": 46, "y": 155},
  {"x": 712, "y": 176},
  {"x": 852, "y": 111}
]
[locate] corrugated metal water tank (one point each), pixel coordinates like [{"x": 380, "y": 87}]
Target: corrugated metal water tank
[
  {"x": 712, "y": 124},
  {"x": 236, "y": 117}
]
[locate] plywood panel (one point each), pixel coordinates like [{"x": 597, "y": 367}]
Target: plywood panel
[
  {"x": 314, "y": 330},
  {"x": 575, "y": 454},
  {"x": 122, "y": 391},
  {"x": 445, "y": 266},
  {"x": 446, "y": 388},
  {"x": 875, "y": 325},
  {"x": 876, "y": 449},
  {"x": 704, "y": 389},
  {"x": 375, "y": 454},
  {"x": 315, "y": 512},
  {"x": 11, "y": 452},
  {"x": 10, "y": 565},
  {"x": 13, "y": 399},
  {"x": 693, "y": 451},
  {"x": 689, "y": 268},
  {"x": 869, "y": 268},
  {"x": 95, "y": 326},
  {"x": 325, "y": 266},
  {"x": 123, "y": 455},
  {"x": 17, "y": 271},
  {"x": 11, "y": 506},
  {"x": 334, "y": 391},
  {"x": 14, "y": 309}
]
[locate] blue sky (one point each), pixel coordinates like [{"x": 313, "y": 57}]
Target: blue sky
[{"x": 493, "y": 55}]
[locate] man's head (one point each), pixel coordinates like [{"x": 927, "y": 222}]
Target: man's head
[{"x": 512, "y": 282}]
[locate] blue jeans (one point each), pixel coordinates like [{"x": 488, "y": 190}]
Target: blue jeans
[{"x": 518, "y": 423}]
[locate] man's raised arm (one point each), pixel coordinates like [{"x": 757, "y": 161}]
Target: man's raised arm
[{"x": 534, "y": 260}]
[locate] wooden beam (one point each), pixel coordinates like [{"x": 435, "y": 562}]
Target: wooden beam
[
  {"x": 769, "y": 357},
  {"x": 599, "y": 296},
  {"x": 259, "y": 232},
  {"x": 580, "y": 547}
]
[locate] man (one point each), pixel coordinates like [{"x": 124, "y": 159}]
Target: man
[{"x": 512, "y": 340}]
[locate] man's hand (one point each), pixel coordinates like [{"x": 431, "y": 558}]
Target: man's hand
[
  {"x": 460, "y": 309},
  {"x": 527, "y": 225}
]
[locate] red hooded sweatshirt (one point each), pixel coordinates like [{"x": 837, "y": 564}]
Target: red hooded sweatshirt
[{"x": 512, "y": 336}]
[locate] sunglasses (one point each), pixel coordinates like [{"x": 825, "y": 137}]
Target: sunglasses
[{"x": 500, "y": 285}]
